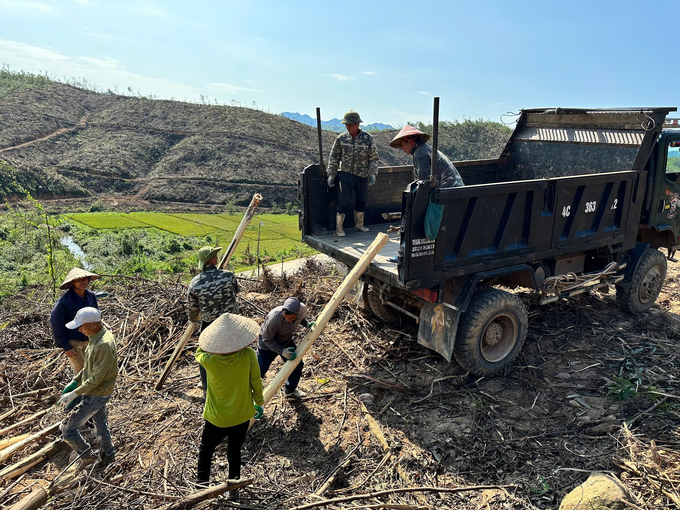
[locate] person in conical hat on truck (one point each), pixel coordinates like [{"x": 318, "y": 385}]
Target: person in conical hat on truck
[
  {"x": 412, "y": 141},
  {"x": 211, "y": 294},
  {"x": 77, "y": 296},
  {"x": 354, "y": 162},
  {"x": 234, "y": 390}
]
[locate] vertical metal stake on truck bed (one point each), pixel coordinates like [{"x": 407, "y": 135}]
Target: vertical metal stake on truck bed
[{"x": 434, "y": 160}]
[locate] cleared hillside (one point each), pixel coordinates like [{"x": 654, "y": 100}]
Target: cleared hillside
[{"x": 59, "y": 141}]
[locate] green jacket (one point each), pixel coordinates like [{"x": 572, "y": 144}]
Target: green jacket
[
  {"x": 98, "y": 376},
  {"x": 233, "y": 384}
]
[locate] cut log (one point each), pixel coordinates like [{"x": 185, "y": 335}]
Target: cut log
[
  {"x": 325, "y": 315},
  {"x": 8, "y": 452},
  {"x": 257, "y": 198},
  {"x": 25, "y": 464},
  {"x": 5, "y": 443},
  {"x": 18, "y": 424},
  {"x": 209, "y": 493}
]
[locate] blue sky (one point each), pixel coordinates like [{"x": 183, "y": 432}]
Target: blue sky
[{"x": 385, "y": 59}]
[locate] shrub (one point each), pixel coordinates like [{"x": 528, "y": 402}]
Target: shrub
[{"x": 97, "y": 206}]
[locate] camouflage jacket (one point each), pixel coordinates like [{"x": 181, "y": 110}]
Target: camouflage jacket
[
  {"x": 212, "y": 293},
  {"x": 447, "y": 174},
  {"x": 356, "y": 156}
]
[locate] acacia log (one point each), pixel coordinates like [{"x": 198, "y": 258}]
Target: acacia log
[
  {"x": 27, "y": 463},
  {"x": 209, "y": 493},
  {"x": 18, "y": 424},
  {"x": 4, "y": 443},
  {"x": 8, "y": 452}
]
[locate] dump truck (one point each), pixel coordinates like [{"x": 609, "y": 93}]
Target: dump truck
[{"x": 578, "y": 200}]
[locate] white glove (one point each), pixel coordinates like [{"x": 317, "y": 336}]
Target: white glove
[
  {"x": 331, "y": 183},
  {"x": 289, "y": 353},
  {"x": 67, "y": 398}
]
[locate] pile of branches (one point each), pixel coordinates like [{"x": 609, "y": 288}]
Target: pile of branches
[{"x": 365, "y": 435}]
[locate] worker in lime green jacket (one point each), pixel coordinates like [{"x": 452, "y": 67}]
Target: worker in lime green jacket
[{"x": 234, "y": 393}]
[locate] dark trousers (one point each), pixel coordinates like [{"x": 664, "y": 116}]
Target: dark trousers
[
  {"x": 212, "y": 436},
  {"x": 348, "y": 183},
  {"x": 266, "y": 357},
  {"x": 201, "y": 370}
]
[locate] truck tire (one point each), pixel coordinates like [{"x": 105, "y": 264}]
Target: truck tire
[
  {"x": 491, "y": 332},
  {"x": 644, "y": 284},
  {"x": 380, "y": 309}
]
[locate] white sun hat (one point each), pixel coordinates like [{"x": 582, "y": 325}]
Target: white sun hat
[
  {"x": 228, "y": 333},
  {"x": 85, "y": 315}
]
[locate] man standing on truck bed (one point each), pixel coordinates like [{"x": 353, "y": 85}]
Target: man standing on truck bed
[
  {"x": 359, "y": 155},
  {"x": 412, "y": 141}
]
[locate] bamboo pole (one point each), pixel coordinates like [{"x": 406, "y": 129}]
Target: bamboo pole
[
  {"x": 5, "y": 443},
  {"x": 27, "y": 463},
  {"x": 8, "y": 452},
  {"x": 250, "y": 212},
  {"x": 326, "y": 314}
]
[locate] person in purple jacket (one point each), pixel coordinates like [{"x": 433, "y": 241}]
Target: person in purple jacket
[{"x": 77, "y": 296}]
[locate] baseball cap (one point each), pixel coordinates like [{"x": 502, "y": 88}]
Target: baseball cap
[
  {"x": 292, "y": 305},
  {"x": 85, "y": 316}
]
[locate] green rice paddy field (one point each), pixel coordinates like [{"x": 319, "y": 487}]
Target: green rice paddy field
[{"x": 278, "y": 234}]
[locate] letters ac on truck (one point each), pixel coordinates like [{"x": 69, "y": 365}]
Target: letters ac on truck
[{"x": 579, "y": 199}]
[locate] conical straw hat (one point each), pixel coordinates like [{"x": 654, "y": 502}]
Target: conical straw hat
[
  {"x": 75, "y": 274},
  {"x": 409, "y": 131},
  {"x": 228, "y": 333}
]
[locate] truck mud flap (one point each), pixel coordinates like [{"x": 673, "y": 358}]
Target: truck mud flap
[{"x": 438, "y": 326}]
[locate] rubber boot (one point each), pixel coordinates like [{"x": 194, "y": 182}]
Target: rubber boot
[
  {"x": 359, "y": 222},
  {"x": 339, "y": 220}
]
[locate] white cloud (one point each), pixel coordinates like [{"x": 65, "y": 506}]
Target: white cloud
[
  {"x": 423, "y": 92},
  {"x": 105, "y": 72},
  {"x": 370, "y": 73},
  {"x": 82, "y": 1},
  {"x": 225, "y": 87},
  {"x": 25, "y": 7},
  {"x": 339, "y": 77},
  {"x": 95, "y": 34}
]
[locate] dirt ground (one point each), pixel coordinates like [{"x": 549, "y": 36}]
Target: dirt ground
[{"x": 594, "y": 389}]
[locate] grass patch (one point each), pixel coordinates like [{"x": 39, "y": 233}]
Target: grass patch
[{"x": 103, "y": 220}]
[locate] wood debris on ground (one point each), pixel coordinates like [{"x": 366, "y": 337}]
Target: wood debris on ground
[{"x": 384, "y": 422}]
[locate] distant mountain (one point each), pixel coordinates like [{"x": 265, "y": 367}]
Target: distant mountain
[{"x": 333, "y": 124}]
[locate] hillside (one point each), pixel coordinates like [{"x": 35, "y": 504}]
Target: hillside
[{"x": 58, "y": 141}]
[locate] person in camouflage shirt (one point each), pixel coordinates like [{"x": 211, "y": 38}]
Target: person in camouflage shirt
[
  {"x": 355, "y": 155},
  {"x": 211, "y": 294}
]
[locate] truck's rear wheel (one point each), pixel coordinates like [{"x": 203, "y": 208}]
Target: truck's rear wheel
[
  {"x": 644, "y": 285},
  {"x": 491, "y": 332},
  {"x": 380, "y": 309}
]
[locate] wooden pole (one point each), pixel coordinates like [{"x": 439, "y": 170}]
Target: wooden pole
[
  {"x": 326, "y": 314},
  {"x": 209, "y": 493},
  {"x": 250, "y": 212},
  {"x": 8, "y": 452},
  {"x": 5, "y": 443},
  {"x": 434, "y": 161},
  {"x": 27, "y": 463},
  {"x": 18, "y": 424}
]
